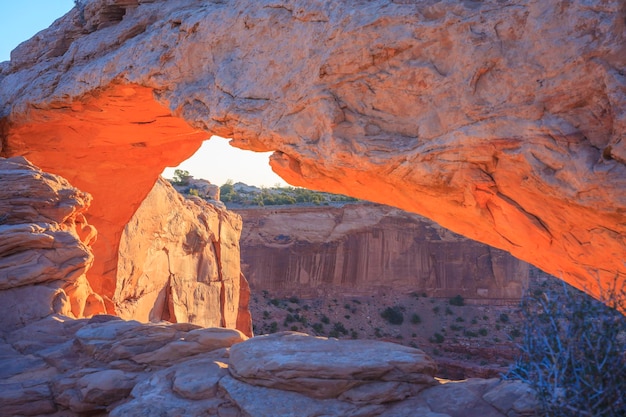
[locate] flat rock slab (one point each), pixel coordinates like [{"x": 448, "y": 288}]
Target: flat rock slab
[{"x": 326, "y": 368}]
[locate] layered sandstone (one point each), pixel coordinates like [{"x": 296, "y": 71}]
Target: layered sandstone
[
  {"x": 361, "y": 248},
  {"x": 45, "y": 246},
  {"x": 179, "y": 261},
  {"x": 106, "y": 366},
  {"x": 501, "y": 121}
]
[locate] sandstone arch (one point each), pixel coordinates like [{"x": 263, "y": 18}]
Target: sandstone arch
[{"x": 503, "y": 122}]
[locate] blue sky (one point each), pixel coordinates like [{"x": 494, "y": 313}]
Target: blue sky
[{"x": 215, "y": 161}]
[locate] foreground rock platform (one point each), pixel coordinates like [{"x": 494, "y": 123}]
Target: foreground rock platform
[
  {"x": 106, "y": 366},
  {"x": 503, "y": 122}
]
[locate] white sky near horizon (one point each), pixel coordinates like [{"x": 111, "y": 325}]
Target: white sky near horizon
[{"x": 215, "y": 161}]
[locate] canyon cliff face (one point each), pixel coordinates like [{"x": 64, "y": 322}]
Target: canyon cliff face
[
  {"x": 361, "y": 248},
  {"x": 179, "y": 262},
  {"x": 45, "y": 246},
  {"x": 503, "y": 122}
]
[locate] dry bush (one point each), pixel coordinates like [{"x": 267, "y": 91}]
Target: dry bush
[{"x": 574, "y": 351}]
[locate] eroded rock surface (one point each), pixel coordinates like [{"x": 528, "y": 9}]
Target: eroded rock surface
[
  {"x": 44, "y": 246},
  {"x": 108, "y": 366},
  {"x": 501, "y": 121},
  {"x": 361, "y": 248},
  {"x": 179, "y": 261}
]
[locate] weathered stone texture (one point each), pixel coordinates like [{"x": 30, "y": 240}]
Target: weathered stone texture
[
  {"x": 109, "y": 367},
  {"x": 44, "y": 246},
  {"x": 501, "y": 121},
  {"x": 361, "y": 248},
  {"x": 179, "y": 261}
]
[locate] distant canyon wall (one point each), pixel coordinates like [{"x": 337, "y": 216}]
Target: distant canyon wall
[{"x": 363, "y": 248}]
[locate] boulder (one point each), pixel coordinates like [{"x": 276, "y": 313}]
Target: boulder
[
  {"x": 327, "y": 368},
  {"x": 179, "y": 261}
]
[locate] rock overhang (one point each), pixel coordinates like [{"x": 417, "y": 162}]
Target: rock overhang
[{"x": 504, "y": 123}]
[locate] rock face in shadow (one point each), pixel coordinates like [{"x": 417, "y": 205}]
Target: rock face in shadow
[
  {"x": 106, "y": 366},
  {"x": 44, "y": 246},
  {"x": 503, "y": 122},
  {"x": 179, "y": 261},
  {"x": 361, "y": 248}
]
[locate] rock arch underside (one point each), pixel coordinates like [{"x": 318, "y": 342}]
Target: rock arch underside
[{"x": 502, "y": 121}]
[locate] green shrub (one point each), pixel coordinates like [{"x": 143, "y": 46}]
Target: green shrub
[
  {"x": 294, "y": 300},
  {"x": 393, "y": 315},
  {"x": 339, "y": 327},
  {"x": 504, "y": 318},
  {"x": 483, "y": 331},
  {"x": 318, "y": 328},
  {"x": 437, "y": 338},
  {"x": 181, "y": 177},
  {"x": 416, "y": 319},
  {"x": 573, "y": 352},
  {"x": 457, "y": 301},
  {"x": 273, "y": 327},
  {"x": 325, "y": 319}
]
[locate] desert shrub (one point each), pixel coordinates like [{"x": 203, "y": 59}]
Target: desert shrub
[
  {"x": 482, "y": 331},
  {"x": 457, "y": 301},
  {"x": 294, "y": 300},
  {"x": 325, "y": 319},
  {"x": 449, "y": 312},
  {"x": 437, "y": 338},
  {"x": 470, "y": 333},
  {"x": 340, "y": 328},
  {"x": 416, "y": 319},
  {"x": 273, "y": 327},
  {"x": 456, "y": 328},
  {"x": 436, "y": 309},
  {"x": 393, "y": 315},
  {"x": 354, "y": 334},
  {"x": 504, "y": 318},
  {"x": 181, "y": 177},
  {"x": 318, "y": 328},
  {"x": 574, "y": 352}
]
